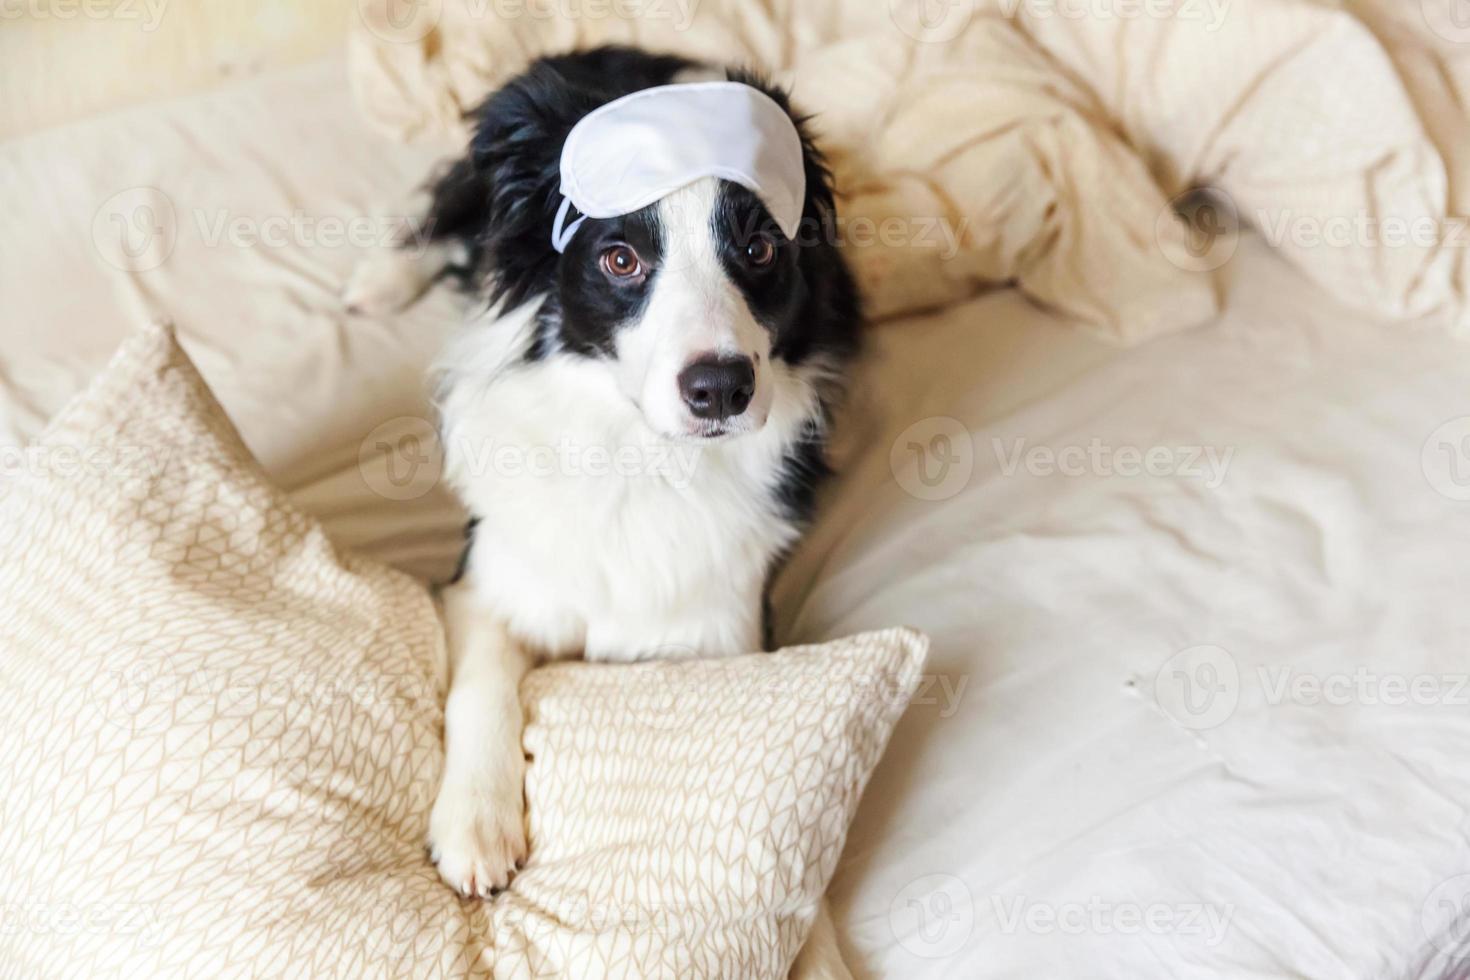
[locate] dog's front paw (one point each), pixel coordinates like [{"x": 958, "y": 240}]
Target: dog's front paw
[{"x": 477, "y": 837}]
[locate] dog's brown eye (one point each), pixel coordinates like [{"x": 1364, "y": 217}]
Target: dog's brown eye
[
  {"x": 761, "y": 250},
  {"x": 621, "y": 262}
]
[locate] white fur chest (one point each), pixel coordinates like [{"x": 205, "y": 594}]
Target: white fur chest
[{"x": 595, "y": 535}]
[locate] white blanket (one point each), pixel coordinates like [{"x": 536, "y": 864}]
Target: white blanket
[{"x": 1201, "y": 699}]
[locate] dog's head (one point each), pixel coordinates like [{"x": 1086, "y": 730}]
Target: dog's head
[{"x": 695, "y": 305}]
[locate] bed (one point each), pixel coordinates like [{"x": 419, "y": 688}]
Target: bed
[{"x": 1197, "y": 702}]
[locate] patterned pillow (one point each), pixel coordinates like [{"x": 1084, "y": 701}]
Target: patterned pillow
[{"x": 221, "y": 741}]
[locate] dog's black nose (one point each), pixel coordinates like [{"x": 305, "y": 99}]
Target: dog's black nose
[{"x": 718, "y": 388}]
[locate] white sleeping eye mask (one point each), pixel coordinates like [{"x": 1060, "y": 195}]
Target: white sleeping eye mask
[{"x": 639, "y": 149}]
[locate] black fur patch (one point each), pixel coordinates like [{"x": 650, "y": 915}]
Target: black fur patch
[
  {"x": 464, "y": 556},
  {"x": 590, "y": 308},
  {"x": 501, "y": 199}
]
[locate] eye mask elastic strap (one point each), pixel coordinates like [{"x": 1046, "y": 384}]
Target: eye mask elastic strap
[{"x": 561, "y": 232}]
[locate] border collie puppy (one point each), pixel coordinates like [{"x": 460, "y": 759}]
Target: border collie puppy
[{"x": 636, "y": 424}]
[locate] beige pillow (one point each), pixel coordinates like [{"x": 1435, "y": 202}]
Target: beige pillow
[
  {"x": 1293, "y": 113},
  {"x": 222, "y": 739}
]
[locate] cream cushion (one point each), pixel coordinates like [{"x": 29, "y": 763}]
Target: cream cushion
[{"x": 222, "y": 740}]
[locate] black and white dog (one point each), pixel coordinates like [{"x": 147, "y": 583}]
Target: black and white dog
[{"x": 674, "y": 371}]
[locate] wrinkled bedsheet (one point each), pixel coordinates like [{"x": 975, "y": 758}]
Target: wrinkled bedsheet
[{"x": 1198, "y": 703}]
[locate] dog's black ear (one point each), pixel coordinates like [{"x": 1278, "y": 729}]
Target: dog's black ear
[
  {"x": 503, "y": 197},
  {"x": 820, "y": 207},
  {"x": 832, "y": 309},
  {"x": 516, "y": 149}
]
